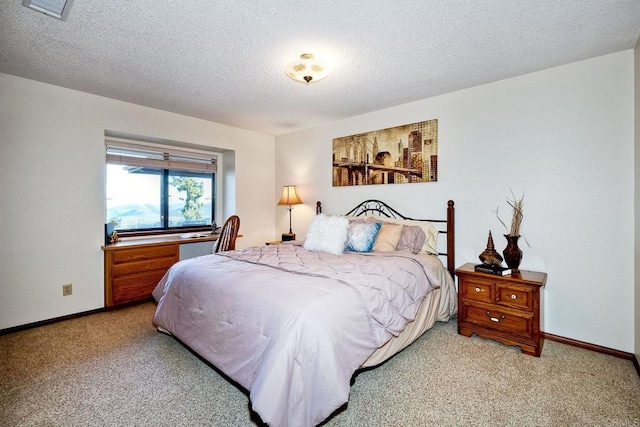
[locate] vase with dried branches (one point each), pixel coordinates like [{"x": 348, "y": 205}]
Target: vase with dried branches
[{"x": 512, "y": 253}]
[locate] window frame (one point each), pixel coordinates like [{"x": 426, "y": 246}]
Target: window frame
[{"x": 129, "y": 153}]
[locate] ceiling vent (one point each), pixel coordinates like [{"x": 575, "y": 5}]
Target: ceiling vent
[{"x": 55, "y": 8}]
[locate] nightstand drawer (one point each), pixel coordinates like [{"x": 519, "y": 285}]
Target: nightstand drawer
[
  {"x": 497, "y": 319},
  {"x": 513, "y": 295},
  {"x": 478, "y": 290}
]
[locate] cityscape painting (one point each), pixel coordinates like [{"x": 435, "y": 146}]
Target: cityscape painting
[{"x": 395, "y": 155}]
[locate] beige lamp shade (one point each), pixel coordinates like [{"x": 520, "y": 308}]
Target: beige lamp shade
[{"x": 290, "y": 196}]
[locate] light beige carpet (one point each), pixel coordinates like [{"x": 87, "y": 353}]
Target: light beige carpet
[{"x": 114, "y": 369}]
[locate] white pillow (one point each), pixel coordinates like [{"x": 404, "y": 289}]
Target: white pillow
[{"x": 327, "y": 234}]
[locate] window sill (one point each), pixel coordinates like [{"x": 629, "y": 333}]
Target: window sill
[
  {"x": 157, "y": 240},
  {"x": 160, "y": 233}
]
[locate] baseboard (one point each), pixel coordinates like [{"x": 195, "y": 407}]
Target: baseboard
[
  {"x": 593, "y": 347},
  {"x": 48, "y": 321},
  {"x": 596, "y": 348}
]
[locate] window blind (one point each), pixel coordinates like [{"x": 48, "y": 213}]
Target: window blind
[{"x": 151, "y": 155}]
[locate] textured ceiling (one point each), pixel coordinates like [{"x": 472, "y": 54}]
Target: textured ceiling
[{"x": 223, "y": 60}]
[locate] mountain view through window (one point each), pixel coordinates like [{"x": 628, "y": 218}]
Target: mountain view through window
[{"x": 145, "y": 198}]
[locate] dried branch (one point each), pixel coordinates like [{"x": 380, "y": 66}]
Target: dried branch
[
  {"x": 517, "y": 205},
  {"x": 501, "y": 221}
]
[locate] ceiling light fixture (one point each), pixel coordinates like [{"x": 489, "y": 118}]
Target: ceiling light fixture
[
  {"x": 307, "y": 69},
  {"x": 55, "y": 8}
]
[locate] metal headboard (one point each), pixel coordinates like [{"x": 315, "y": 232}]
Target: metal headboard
[{"x": 380, "y": 208}]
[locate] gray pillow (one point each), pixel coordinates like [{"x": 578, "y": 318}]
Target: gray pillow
[{"x": 411, "y": 239}]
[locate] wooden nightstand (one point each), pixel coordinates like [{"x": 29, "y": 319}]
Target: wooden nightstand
[
  {"x": 275, "y": 242},
  {"x": 501, "y": 308}
]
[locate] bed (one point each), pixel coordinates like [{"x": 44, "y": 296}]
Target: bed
[{"x": 292, "y": 323}]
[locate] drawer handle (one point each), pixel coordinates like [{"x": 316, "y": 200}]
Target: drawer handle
[
  {"x": 495, "y": 319},
  {"x": 513, "y": 296},
  {"x": 477, "y": 289}
]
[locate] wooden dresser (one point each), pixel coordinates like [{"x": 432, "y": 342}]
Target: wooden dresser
[
  {"x": 502, "y": 308},
  {"x": 133, "y": 268}
]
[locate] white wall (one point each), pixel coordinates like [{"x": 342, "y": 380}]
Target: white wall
[
  {"x": 563, "y": 136},
  {"x": 52, "y": 207}
]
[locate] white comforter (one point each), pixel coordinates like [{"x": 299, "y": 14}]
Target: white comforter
[{"x": 290, "y": 325}]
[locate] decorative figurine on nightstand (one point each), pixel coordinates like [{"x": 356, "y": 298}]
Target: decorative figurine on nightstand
[
  {"x": 113, "y": 238},
  {"x": 490, "y": 256},
  {"x": 491, "y": 260}
]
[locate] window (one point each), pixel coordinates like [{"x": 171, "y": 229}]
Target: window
[{"x": 152, "y": 189}]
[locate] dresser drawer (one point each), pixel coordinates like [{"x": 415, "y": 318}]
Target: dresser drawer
[
  {"x": 495, "y": 318},
  {"x": 135, "y": 287},
  {"x": 144, "y": 254},
  {"x": 515, "y": 296},
  {"x": 155, "y": 264},
  {"x": 478, "y": 289}
]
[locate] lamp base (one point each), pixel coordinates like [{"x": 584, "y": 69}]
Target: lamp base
[{"x": 286, "y": 237}]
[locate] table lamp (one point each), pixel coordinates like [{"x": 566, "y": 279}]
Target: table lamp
[{"x": 289, "y": 197}]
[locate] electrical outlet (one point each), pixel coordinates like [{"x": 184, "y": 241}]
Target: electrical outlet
[{"x": 67, "y": 289}]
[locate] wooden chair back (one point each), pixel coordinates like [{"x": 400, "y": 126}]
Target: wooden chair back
[{"x": 227, "y": 239}]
